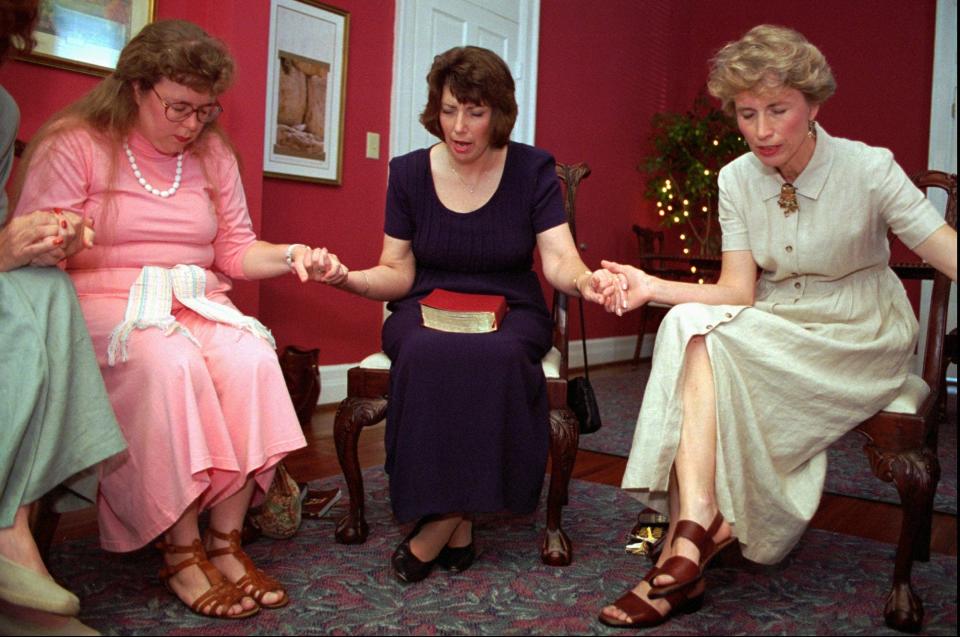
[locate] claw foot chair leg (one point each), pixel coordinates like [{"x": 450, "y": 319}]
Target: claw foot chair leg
[
  {"x": 557, "y": 549},
  {"x": 352, "y": 416},
  {"x": 915, "y": 474}
]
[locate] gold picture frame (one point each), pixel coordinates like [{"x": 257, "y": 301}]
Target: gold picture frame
[
  {"x": 306, "y": 91},
  {"x": 87, "y": 35}
]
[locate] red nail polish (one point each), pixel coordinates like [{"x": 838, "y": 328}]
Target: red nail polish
[
  {"x": 57, "y": 241},
  {"x": 58, "y": 211},
  {"x": 63, "y": 223}
]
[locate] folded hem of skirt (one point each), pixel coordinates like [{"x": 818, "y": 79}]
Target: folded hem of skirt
[{"x": 155, "y": 530}]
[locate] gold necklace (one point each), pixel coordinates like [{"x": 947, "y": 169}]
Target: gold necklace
[
  {"x": 470, "y": 189},
  {"x": 463, "y": 182}
]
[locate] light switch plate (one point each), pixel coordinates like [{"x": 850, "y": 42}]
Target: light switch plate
[{"x": 373, "y": 145}]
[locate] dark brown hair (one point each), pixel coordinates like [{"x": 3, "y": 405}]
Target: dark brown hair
[
  {"x": 17, "y": 18},
  {"x": 476, "y": 76}
]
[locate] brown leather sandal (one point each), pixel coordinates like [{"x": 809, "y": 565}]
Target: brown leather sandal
[
  {"x": 221, "y": 592},
  {"x": 641, "y": 614},
  {"x": 684, "y": 571},
  {"x": 259, "y": 582}
]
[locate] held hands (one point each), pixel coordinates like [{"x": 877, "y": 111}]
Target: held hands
[
  {"x": 600, "y": 286},
  {"x": 318, "y": 264},
  {"x": 44, "y": 238},
  {"x": 635, "y": 286}
]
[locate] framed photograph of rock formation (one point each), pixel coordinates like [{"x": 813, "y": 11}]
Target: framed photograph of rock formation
[{"x": 306, "y": 82}]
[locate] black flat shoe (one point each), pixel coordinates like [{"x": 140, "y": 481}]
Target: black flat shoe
[
  {"x": 408, "y": 567},
  {"x": 459, "y": 559}
]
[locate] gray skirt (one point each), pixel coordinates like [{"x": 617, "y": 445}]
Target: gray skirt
[{"x": 56, "y": 419}]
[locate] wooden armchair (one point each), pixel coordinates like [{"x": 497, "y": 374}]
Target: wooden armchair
[
  {"x": 366, "y": 404},
  {"x": 902, "y": 439}
]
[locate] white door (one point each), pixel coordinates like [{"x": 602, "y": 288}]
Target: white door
[
  {"x": 943, "y": 145},
  {"x": 425, "y": 28}
]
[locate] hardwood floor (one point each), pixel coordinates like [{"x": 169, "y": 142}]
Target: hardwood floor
[{"x": 851, "y": 516}]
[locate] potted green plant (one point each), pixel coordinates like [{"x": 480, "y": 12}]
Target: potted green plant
[{"x": 688, "y": 150}]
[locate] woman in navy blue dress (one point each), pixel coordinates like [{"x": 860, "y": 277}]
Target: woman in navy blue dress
[{"x": 467, "y": 422}]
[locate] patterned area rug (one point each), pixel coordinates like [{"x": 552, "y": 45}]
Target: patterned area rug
[
  {"x": 848, "y": 473},
  {"x": 831, "y": 584}
]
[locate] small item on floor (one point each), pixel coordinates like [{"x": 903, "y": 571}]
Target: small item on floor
[
  {"x": 318, "y": 502},
  {"x": 279, "y": 515},
  {"x": 647, "y": 534}
]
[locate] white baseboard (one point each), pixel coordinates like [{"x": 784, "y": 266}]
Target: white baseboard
[
  {"x": 613, "y": 349},
  {"x": 333, "y": 383}
]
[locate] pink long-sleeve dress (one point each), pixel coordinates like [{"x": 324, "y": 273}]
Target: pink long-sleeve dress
[{"x": 202, "y": 407}]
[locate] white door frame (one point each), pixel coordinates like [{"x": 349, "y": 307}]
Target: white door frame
[
  {"x": 409, "y": 81},
  {"x": 942, "y": 154}
]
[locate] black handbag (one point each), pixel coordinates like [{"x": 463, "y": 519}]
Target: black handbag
[{"x": 580, "y": 394}]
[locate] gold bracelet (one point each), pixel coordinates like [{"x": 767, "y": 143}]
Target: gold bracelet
[{"x": 576, "y": 281}]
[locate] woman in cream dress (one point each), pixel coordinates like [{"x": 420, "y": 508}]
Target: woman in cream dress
[{"x": 753, "y": 378}]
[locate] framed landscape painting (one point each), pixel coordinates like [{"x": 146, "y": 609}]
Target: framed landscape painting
[{"x": 87, "y": 35}]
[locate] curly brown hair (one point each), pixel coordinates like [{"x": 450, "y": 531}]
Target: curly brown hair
[
  {"x": 474, "y": 75},
  {"x": 17, "y": 19},
  {"x": 177, "y": 50}
]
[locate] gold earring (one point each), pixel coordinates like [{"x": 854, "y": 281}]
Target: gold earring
[{"x": 812, "y": 129}]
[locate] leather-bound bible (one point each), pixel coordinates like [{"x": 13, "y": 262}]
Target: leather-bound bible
[{"x": 463, "y": 313}]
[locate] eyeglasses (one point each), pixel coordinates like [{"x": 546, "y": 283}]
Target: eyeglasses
[{"x": 180, "y": 111}]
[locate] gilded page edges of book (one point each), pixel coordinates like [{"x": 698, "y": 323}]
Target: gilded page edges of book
[{"x": 462, "y": 313}]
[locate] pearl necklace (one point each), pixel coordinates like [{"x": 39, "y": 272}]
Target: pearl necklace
[{"x": 146, "y": 185}]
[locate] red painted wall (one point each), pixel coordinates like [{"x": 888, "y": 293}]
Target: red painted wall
[
  {"x": 602, "y": 75},
  {"x": 604, "y": 69},
  {"x": 347, "y": 219}
]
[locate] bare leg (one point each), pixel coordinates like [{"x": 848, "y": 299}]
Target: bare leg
[
  {"x": 191, "y": 583},
  {"x": 692, "y": 491},
  {"x": 17, "y": 543},
  {"x": 696, "y": 463},
  {"x": 228, "y": 516}
]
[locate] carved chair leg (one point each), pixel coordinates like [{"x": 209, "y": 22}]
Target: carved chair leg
[
  {"x": 915, "y": 473},
  {"x": 557, "y": 549},
  {"x": 353, "y": 415}
]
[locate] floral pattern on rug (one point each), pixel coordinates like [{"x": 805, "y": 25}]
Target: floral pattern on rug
[
  {"x": 831, "y": 584},
  {"x": 848, "y": 472}
]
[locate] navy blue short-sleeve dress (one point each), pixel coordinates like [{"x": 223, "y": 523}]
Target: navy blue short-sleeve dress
[{"x": 467, "y": 422}]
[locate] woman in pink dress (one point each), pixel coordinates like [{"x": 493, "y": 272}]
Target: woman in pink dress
[{"x": 195, "y": 384}]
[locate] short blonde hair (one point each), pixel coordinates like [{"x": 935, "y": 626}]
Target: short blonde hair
[{"x": 770, "y": 56}]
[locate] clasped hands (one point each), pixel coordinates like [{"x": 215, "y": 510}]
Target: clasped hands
[
  {"x": 318, "y": 264},
  {"x": 619, "y": 288},
  {"x": 44, "y": 238}
]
